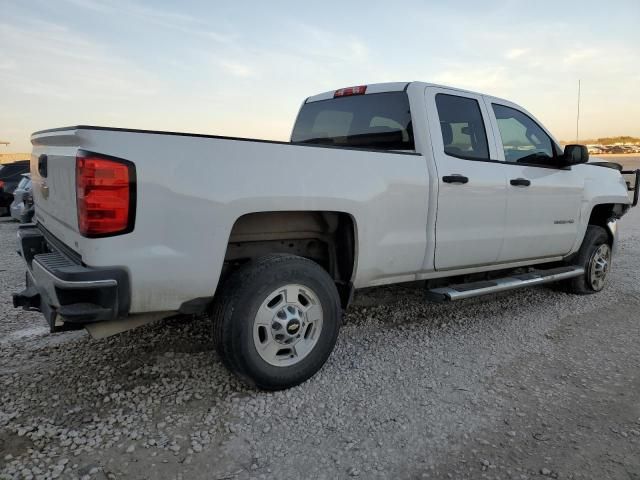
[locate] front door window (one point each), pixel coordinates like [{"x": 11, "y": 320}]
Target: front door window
[{"x": 523, "y": 140}]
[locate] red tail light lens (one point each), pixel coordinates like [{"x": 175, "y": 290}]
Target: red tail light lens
[
  {"x": 1, "y": 183},
  {"x": 105, "y": 193},
  {"x": 345, "y": 92}
]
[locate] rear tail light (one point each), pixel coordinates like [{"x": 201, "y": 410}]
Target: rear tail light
[
  {"x": 1, "y": 183},
  {"x": 348, "y": 91},
  {"x": 105, "y": 194}
]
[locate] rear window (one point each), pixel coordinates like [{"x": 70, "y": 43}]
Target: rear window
[
  {"x": 379, "y": 121},
  {"x": 463, "y": 132}
]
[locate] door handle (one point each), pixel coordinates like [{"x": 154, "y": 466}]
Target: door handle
[
  {"x": 520, "y": 182},
  {"x": 455, "y": 179}
]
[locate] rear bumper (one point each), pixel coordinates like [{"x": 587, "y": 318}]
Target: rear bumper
[{"x": 68, "y": 293}]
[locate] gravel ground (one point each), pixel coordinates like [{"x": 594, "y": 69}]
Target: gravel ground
[{"x": 527, "y": 384}]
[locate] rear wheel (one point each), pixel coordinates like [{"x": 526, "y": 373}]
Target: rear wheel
[
  {"x": 276, "y": 321},
  {"x": 595, "y": 257}
]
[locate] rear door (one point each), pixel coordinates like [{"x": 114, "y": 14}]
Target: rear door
[
  {"x": 470, "y": 219},
  {"x": 543, "y": 198}
]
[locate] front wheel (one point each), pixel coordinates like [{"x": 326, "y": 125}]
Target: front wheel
[
  {"x": 276, "y": 321},
  {"x": 595, "y": 257}
]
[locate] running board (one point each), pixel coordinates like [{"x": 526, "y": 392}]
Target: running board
[{"x": 475, "y": 289}]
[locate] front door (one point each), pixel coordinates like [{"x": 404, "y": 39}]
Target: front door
[
  {"x": 543, "y": 198},
  {"x": 471, "y": 186}
]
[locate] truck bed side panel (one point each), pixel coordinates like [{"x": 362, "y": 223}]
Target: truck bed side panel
[{"x": 192, "y": 189}]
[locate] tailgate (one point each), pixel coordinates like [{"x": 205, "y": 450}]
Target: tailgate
[{"x": 53, "y": 164}]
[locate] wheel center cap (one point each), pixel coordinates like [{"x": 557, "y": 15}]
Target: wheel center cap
[
  {"x": 293, "y": 326},
  {"x": 287, "y": 324}
]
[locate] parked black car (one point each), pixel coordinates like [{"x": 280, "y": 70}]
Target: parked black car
[{"x": 10, "y": 176}]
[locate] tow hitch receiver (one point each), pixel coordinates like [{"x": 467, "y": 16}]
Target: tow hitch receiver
[{"x": 29, "y": 299}]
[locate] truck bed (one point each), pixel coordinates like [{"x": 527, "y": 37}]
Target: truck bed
[{"x": 191, "y": 189}]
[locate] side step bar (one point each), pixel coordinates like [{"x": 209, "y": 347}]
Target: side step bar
[{"x": 475, "y": 289}]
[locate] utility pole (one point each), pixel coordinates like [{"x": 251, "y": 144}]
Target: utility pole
[{"x": 578, "y": 116}]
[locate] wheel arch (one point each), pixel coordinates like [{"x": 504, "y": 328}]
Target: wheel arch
[
  {"x": 330, "y": 238},
  {"x": 605, "y": 215}
]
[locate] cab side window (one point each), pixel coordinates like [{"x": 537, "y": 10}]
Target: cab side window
[
  {"x": 522, "y": 139},
  {"x": 463, "y": 132}
]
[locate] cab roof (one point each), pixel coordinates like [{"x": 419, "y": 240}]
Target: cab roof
[{"x": 387, "y": 87}]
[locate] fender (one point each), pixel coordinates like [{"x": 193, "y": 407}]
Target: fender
[{"x": 602, "y": 186}]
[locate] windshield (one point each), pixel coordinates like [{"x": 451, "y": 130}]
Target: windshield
[{"x": 380, "y": 121}]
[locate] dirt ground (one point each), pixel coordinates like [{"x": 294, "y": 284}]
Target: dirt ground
[{"x": 523, "y": 385}]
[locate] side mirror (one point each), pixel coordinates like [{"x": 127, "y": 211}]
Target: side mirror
[{"x": 575, "y": 154}]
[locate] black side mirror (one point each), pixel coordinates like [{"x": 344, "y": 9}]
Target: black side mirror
[{"x": 575, "y": 154}]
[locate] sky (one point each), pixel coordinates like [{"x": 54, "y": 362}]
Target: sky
[{"x": 242, "y": 68}]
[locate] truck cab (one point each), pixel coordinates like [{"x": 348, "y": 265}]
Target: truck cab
[{"x": 505, "y": 189}]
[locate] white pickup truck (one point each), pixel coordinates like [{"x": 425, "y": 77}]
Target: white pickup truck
[{"x": 379, "y": 184}]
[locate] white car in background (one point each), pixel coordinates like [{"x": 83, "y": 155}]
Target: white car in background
[{"x": 22, "y": 206}]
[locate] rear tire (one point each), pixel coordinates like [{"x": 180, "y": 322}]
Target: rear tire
[
  {"x": 595, "y": 257},
  {"x": 276, "y": 321}
]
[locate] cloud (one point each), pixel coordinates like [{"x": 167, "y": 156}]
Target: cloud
[
  {"x": 318, "y": 43},
  {"x": 237, "y": 69},
  {"x": 95, "y": 5},
  {"x": 49, "y": 61},
  {"x": 8, "y": 64},
  {"x": 52, "y": 70},
  {"x": 578, "y": 55},
  {"x": 179, "y": 21},
  {"x": 485, "y": 78},
  {"x": 358, "y": 50},
  {"x": 516, "y": 53}
]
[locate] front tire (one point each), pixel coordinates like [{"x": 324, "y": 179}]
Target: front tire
[
  {"x": 595, "y": 257},
  {"x": 276, "y": 321}
]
